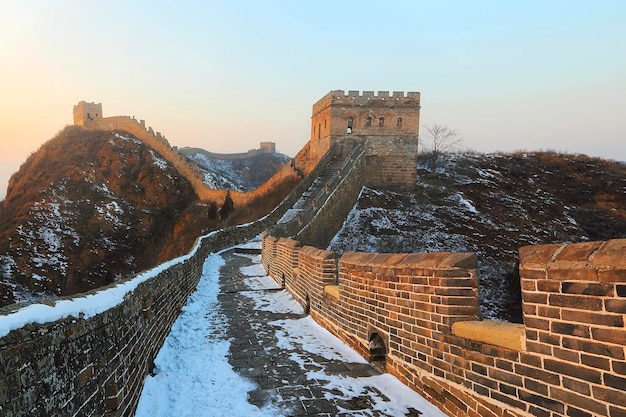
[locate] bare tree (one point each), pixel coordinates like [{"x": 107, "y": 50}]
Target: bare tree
[{"x": 439, "y": 140}]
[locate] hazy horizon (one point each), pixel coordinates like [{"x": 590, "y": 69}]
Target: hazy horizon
[{"x": 224, "y": 76}]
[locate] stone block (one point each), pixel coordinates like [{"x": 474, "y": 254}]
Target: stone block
[{"x": 508, "y": 335}]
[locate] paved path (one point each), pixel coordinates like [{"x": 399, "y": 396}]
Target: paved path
[
  {"x": 274, "y": 347},
  {"x": 243, "y": 347}
]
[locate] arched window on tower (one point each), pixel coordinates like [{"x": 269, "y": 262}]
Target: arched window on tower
[
  {"x": 368, "y": 121},
  {"x": 319, "y": 130},
  {"x": 350, "y": 121},
  {"x": 381, "y": 121},
  {"x": 399, "y": 122}
]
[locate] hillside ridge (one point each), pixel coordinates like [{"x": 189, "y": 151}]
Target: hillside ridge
[{"x": 492, "y": 204}]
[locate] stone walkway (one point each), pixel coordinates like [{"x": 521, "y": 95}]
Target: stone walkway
[{"x": 271, "y": 348}]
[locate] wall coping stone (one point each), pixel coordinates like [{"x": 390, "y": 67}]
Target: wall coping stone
[
  {"x": 537, "y": 255},
  {"x": 332, "y": 290},
  {"x": 447, "y": 260},
  {"x": 611, "y": 254},
  {"x": 288, "y": 242},
  {"x": 318, "y": 253},
  {"x": 498, "y": 333},
  {"x": 591, "y": 261}
]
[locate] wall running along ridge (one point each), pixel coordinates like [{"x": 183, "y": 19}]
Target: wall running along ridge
[
  {"x": 567, "y": 359},
  {"x": 96, "y": 366},
  {"x": 187, "y": 169}
]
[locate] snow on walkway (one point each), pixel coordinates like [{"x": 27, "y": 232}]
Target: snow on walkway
[{"x": 193, "y": 377}]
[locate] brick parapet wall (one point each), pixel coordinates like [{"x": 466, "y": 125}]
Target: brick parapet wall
[
  {"x": 574, "y": 306},
  {"x": 574, "y": 300},
  {"x": 317, "y": 268},
  {"x": 329, "y": 209},
  {"x": 97, "y": 366},
  {"x": 286, "y": 260}
]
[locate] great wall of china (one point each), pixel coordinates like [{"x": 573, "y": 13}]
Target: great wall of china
[
  {"x": 415, "y": 315},
  {"x": 89, "y": 116}
]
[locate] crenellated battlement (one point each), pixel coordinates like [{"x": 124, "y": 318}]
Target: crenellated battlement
[
  {"x": 386, "y": 121},
  {"x": 367, "y": 98}
]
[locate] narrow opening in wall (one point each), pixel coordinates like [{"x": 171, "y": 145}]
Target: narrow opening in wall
[
  {"x": 350, "y": 121},
  {"x": 378, "y": 351},
  {"x": 282, "y": 281},
  {"x": 368, "y": 121},
  {"x": 307, "y": 305}
]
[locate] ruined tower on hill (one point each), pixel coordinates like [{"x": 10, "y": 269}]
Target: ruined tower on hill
[
  {"x": 84, "y": 111},
  {"x": 387, "y": 124}
]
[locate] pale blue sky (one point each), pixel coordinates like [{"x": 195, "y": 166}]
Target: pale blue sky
[{"x": 225, "y": 75}]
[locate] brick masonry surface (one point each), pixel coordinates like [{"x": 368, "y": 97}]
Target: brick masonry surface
[
  {"x": 574, "y": 303},
  {"x": 97, "y": 366}
]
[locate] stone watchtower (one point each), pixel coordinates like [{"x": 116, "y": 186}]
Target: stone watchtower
[
  {"x": 85, "y": 112},
  {"x": 387, "y": 124}
]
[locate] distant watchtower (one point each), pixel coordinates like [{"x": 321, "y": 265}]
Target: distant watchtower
[
  {"x": 85, "y": 112},
  {"x": 338, "y": 114},
  {"x": 387, "y": 125}
]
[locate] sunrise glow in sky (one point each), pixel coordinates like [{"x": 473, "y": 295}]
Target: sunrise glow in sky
[{"x": 226, "y": 75}]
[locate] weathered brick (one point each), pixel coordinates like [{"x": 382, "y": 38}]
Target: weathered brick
[
  {"x": 575, "y": 412},
  {"x": 566, "y": 368},
  {"x": 551, "y": 378},
  {"x": 571, "y": 329},
  {"x": 566, "y": 354},
  {"x": 532, "y": 274},
  {"x": 588, "y": 288},
  {"x": 537, "y": 323},
  {"x": 576, "y": 385},
  {"x": 612, "y": 275},
  {"x": 573, "y": 301},
  {"x": 538, "y": 412},
  {"x": 609, "y": 335},
  {"x": 542, "y": 401},
  {"x": 615, "y": 411},
  {"x": 615, "y": 381},
  {"x": 580, "y": 401},
  {"x": 615, "y": 306},
  {"x": 549, "y": 312},
  {"x": 597, "y": 362},
  {"x": 534, "y": 298},
  {"x": 508, "y": 377},
  {"x": 528, "y": 285},
  {"x": 597, "y": 348},
  {"x": 536, "y": 386},
  {"x": 512, "y": 401},
  {"x": 548, "y": 285},
  {"x": 567, "y": 274},
  {"x": 619, "y": 367},
  {"x": 550, "y": 338}
]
